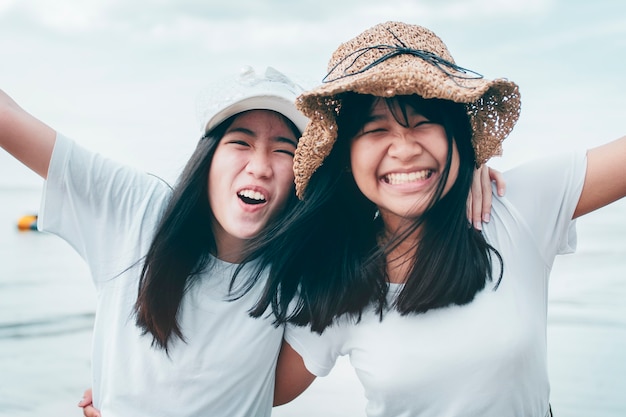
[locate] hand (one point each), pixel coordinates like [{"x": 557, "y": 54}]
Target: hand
[
  {"x": 87, "y": 405},
  {"x": 479, "y": 199}
]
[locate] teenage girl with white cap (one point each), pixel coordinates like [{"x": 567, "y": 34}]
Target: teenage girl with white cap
[{"x": 167, "y": 339}]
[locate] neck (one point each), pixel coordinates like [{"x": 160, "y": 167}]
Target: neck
[
  {"x": 401, "y": 258},
  {"x": 399, "y": 263},
  {"x": 230, "y": 250}
]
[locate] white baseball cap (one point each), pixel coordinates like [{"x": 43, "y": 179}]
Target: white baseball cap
[{"x": 250, "y": 91}]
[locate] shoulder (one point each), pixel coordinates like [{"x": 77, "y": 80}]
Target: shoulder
[{"x": 548, "y": 169}]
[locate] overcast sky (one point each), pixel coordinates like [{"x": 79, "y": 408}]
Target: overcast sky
[{"x": 122, "y": 77}]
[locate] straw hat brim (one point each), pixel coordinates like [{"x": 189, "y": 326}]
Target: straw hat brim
[{"x": 493, "y": 107}]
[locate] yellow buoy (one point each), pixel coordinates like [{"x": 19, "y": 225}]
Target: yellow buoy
[{"x": 28, "y": 222}]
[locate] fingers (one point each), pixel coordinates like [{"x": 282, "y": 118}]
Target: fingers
[
  {"x": 485, "y": 186},
  {"x": 469, "y": 208},
  {"x": 480, "y": 198},
  {"x": 87, "y": 398},
  {"x": 474, "y": 200},
  {"x": 90, "y": 411},
  {"x": 498, "y": 178},
  {"x": 87, "y": 405}
]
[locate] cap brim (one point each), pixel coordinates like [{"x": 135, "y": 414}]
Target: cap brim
[{"x": 264, "y": 102}]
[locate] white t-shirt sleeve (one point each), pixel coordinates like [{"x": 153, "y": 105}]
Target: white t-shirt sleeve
[
  {"x": 545, "y": 193},
  {"x": 319, "y": 352},
  {"x": 94, "y": 204}
]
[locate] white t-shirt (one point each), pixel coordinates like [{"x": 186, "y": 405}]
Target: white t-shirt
[
  {"x": 487, "y": 358},
  {"x": 108, "y": 213}
]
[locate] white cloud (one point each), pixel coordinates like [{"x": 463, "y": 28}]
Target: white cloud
[
  {"x": 456, "y": 10},
  {"x": 6, "y": 4},
  {"x": 65, "y": 15}
]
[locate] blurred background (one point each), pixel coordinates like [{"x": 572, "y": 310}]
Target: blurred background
[{"x": 123, "y": 78}]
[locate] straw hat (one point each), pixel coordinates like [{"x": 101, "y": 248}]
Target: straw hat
[{"x": 395, "y": 58}]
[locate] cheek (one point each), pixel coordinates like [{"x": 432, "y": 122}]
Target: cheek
[
  {"x": 211, "y": 176},
  {"x": 212, "y": 187},
  {"x": 285, "y": 177},
  {"x": 362, "y": 162},
  {"x": 220, "y": 172},
  {"x": 215, "y": 171},
  {"x": 226, "y": 162}
]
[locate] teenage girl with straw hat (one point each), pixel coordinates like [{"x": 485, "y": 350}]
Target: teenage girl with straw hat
[{"x": 378, "y": 261}]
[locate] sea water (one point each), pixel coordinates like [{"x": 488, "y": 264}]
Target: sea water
[{"x": 47, "y": 306}]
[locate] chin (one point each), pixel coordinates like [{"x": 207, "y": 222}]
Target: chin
[{"x": 249, "y": 233}]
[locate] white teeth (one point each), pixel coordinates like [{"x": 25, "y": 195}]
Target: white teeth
[
  {"x": 253, "y": 195},
  {"x": 403, "y": 178}
]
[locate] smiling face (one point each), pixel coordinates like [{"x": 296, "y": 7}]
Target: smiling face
[
  {"x": 398, "y": 166},
  {"x": 250, "y": 179}
]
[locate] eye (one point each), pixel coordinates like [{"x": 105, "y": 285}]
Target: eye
[
  {"x": 286, "y": 151},
  {"x": 422, "y": 123},
  {"x": 417, "y": 119},
  {"x": 238, "y": 142},
  {"x": 373, "y": 128},
  {"x": 285, "y": 145}
]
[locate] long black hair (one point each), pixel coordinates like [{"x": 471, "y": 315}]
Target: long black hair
[
  {"x": 183, "y": 243},
  {"x": 325, "y": 260}
]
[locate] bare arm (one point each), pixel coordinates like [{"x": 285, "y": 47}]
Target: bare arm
[
  {"x": 25, "y": 137},
  {"x": 605, "y": 179},
  {"x": 292, "y": 377}
]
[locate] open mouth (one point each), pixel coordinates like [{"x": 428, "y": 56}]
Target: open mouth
[
  {"x": 251, "y": 197},
  {"x": 405, "y": 178}
]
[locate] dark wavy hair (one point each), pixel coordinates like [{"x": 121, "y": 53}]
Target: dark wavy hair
[
  {"x": 325, "y": 260},
  {"x": 181, "y": 249}
]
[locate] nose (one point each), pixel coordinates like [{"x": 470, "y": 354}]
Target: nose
[
  {"x": 404, "y": 147},
  {"x": 259, "y": 165}
]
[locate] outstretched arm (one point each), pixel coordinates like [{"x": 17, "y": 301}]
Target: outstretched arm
[
  {"x": 605, "y": 179},
  {"x": 25, "y": 137},
  {"x": 292, "y": 377}
]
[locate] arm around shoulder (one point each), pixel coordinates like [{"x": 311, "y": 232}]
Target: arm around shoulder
[
  {"x": 25, "y": 137},
  {"x": 605, "y": 178}
]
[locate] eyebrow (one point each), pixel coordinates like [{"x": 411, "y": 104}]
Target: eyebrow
[
  {"x": 287, "y": 140},
  {"x": 241, "y": 130},
  {"x": 279, "y": 139}
]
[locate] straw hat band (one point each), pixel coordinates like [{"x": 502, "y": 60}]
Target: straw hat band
[{"x": 363, "y": 59}]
